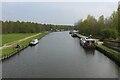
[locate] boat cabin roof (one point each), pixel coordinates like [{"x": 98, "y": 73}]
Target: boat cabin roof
[{"x": 88, "y": 39}]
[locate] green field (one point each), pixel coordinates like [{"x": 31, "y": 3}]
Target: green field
[
  {"x": 12, "y": 49},
  {"x": 6, "y": 38}
]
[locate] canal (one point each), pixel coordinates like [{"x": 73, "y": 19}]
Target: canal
[{"x": 58, "y": 55}]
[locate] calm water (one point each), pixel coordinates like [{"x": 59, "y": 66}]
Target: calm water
[{"x": 58, "y": 55}]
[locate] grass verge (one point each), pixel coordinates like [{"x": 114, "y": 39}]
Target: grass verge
[{"x": 6, "y": 38}]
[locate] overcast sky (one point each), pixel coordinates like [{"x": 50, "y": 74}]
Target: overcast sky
[
  {"x": 56, "y": 12},
  {"x": 59, "y": 0}
]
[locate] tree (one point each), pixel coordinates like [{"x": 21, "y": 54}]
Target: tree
[{"x": 30, "y": 27}]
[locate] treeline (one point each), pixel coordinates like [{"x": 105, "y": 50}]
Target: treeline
[
  {"x": 103, "y": 28},
  {"x": 30, "y": 27}
]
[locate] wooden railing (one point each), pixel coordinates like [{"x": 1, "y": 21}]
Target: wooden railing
[{"x": 112, "y": 44}]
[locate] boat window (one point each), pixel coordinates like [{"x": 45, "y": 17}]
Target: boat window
[{"x": 87, "y": 41}]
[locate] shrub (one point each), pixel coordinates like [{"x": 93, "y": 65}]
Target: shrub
[{"x": 109, "y": 34}]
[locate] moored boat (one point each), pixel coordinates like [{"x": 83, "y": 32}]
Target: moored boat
[
  {"x": 71, "y": 32},
  {"x": 87, "y": 42},
  {"x": 34, "y": 42},
  {"x": 74, "y": 35}
]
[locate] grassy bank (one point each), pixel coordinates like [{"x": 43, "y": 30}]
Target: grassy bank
[
  {"x": 23, "y": 44},
  {"x": 6, "y": 38},
  {"x": 114, "y": 55}
]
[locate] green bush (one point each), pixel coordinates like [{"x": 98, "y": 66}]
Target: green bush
[{"x": 109, "y": 34}]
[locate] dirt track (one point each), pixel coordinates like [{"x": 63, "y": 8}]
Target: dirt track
[{"x": 7, "y": 45}]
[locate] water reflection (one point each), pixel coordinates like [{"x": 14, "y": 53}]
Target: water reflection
[{"x": 89, "y": 51}]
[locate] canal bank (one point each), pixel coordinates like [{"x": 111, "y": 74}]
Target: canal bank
[
  {"x": 12, "y": 50},
  {"x": 58, "y": 55},
  {"x": 112, "y": 54}
]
